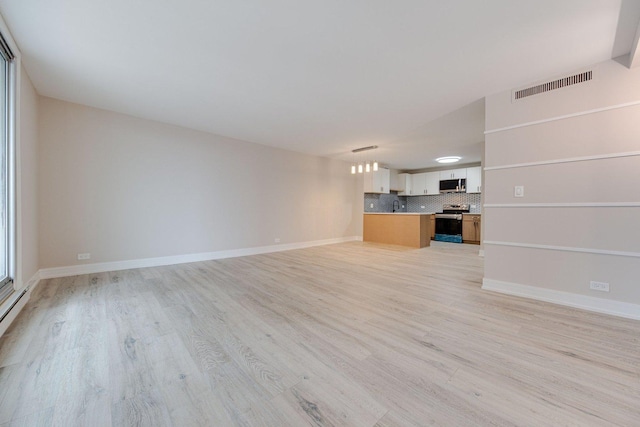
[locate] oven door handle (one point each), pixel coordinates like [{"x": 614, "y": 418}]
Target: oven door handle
[{"x": 449, "y": 216}]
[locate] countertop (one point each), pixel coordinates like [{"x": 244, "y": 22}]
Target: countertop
[{"x": 399, "y": 213}]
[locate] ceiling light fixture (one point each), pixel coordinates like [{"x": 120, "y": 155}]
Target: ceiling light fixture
[
  {"x": 366, "y": 166},
  {"x": 359, "y": 150},
  {"x": 448, "y": 159}
]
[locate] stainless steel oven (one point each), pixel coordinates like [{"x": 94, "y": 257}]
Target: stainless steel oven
[{"x": 449, "y": 223}]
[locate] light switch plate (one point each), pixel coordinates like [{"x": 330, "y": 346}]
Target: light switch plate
[{"x": 518, "y": 191}]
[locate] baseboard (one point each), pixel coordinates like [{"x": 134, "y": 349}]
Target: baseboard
[
  {"x": 75, "y": 270},
  {"x": 10, "y": 317},
  {"x": 599, "y": 305}
]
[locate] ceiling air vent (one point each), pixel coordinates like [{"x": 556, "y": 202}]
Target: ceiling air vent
[{"x": 556, "y": 84}]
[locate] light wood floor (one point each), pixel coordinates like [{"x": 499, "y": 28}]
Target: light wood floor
[{"x": 353, "y": 334}]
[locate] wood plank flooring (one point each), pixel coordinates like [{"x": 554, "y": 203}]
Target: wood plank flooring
[{"x": 355, "y": 334}]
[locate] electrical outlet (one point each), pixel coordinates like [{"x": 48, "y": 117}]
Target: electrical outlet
[
  {"x": 422, "y": 207},
  {"x": 277, "y": 240},
  {"x": 599, "y": 286},
  {"x": 518, "y": 191},
  {"x": 402, "y": 206},
  {"x": 371, "y": 205},
  {"x": 84, "y": 256}
]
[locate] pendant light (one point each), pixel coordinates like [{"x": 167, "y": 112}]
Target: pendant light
[{"x": 367, "y": 166}]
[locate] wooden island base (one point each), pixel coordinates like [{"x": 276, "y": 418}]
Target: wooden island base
[{"x": 413, "y": 230}]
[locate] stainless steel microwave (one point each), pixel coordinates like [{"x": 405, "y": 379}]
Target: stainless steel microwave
[{"x": 453, "y": 186}]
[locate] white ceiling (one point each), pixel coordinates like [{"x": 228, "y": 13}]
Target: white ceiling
[{"x": 320, "y": 77}]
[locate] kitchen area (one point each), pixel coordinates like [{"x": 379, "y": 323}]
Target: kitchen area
[{"x": 411, "y": 209}]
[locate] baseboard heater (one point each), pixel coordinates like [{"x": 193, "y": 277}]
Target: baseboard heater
[{"x": 13, "y": 304}]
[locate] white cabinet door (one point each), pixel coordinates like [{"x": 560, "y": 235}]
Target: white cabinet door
[
  {"x": 418, "y": 184},
  {"x": 368, "y": 182},
  {"x": 474, "y": 180},
  {"x": 433, "y": 183},
  {"x": 453, "y": 174},
  {"x": 382, "y": 179},
  {"x": 393, "y": 180},
  {"x": 404, "y": 184},
  {"x": 423, "y": 184},
  {"x": 377, "y": 182}
]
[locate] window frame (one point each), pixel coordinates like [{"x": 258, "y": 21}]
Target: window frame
[{"x": 9, "y": 60}]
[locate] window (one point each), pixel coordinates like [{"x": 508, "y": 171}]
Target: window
[{"x": 6, "y": 64}]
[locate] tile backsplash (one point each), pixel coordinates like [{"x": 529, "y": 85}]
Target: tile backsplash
[{"x": 384, "y": 202}]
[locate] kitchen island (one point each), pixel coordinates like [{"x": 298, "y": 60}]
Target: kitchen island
[{"x": 400, "y": 228}]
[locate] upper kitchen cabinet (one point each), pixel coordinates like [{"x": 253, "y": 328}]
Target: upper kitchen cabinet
[
  {"x": 425, "y": 183},
  {"x": 474, "y": 180},
  {"x": 453, "y": 174},
  {"x": 418, "y": 184},
  {"x": 377, "y": 181},
  {"x": 395, "y": 183},
  {"x": 403, "y": 186},
  {"x": 433, "y": 183}
]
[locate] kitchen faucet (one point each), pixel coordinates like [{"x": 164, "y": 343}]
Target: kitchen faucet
[{"x": 394, "y": 205}]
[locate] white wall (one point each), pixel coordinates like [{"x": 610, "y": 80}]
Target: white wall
[
  {"x": 560, "y": 248},
  {"x": 124, "y": 188}
]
